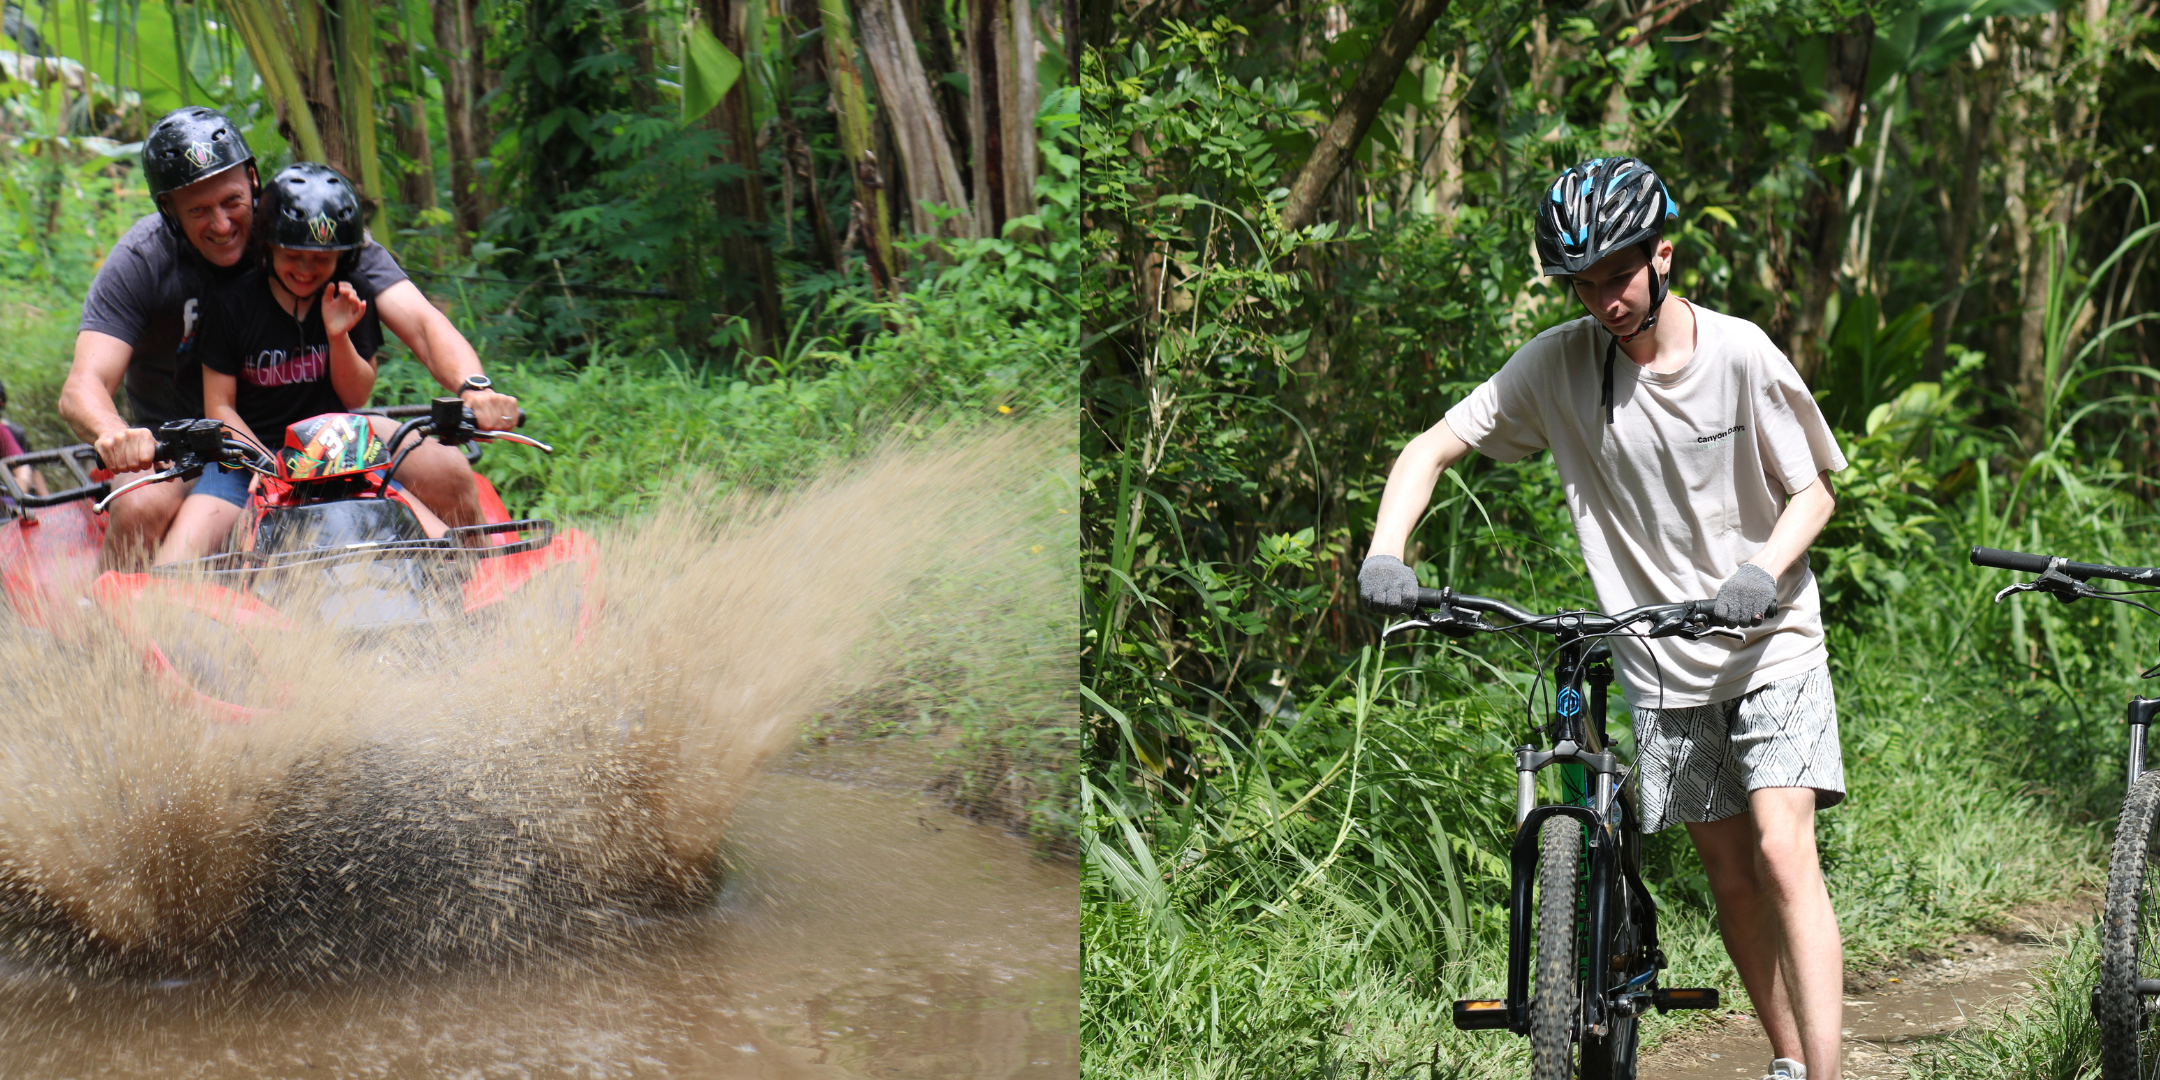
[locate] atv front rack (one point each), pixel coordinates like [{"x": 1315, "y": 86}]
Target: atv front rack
[
  {"x": 446, "y": 548},
  {"x": 78, "y": 459}
]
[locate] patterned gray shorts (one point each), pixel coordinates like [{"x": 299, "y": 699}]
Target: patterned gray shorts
[{"x": 1699, "y": 763}]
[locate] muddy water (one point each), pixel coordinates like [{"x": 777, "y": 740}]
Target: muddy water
[
  {"x": 548, "y": 842},
  {"x": 859, "y": 932}
]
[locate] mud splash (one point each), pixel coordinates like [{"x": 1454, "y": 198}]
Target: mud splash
[{"x": 535, "y": 790}]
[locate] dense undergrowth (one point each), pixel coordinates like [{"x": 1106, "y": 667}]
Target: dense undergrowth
[{"x": 1295, "y": 830}]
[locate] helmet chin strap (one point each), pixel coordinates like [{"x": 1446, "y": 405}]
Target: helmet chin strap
[
  {"x": 1657, "y": 304},
  {"x": 1612, "y": 345}
]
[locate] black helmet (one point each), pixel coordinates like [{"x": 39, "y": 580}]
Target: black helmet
[
  {"x": 188, "y": 144},
  {"x": 1598, "y": 207},
  {"x": 311, "y": 207}
]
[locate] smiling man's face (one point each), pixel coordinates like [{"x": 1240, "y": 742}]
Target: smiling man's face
[{"x": 216, "y": 212}]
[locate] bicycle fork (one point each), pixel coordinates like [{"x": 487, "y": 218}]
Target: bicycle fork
[{"x": 1577, "y": 743}]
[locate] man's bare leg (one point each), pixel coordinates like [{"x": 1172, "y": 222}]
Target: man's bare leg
[
  {"x": 1775, "y": 916},
  {"x": 439, "y": 476},
  {"x": 136, "y": 522}
]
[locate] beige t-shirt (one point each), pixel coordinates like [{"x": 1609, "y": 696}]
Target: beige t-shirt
[{"x": 1682, "y": 487}]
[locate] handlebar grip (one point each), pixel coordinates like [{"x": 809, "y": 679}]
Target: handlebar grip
[
  {"x": 2009, "y": 560},
  {"x": 1430, "y": 598}
]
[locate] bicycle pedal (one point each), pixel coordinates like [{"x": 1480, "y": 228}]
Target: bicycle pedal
[
  {"x": 1481, "y": 1015},
  {"x": 1684, "y": 998}
]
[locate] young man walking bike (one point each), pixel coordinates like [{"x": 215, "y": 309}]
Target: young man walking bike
[{"x": 1696, "y": 464}]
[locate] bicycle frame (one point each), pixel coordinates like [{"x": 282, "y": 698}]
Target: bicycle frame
[{"x": 1577, "y": 731}]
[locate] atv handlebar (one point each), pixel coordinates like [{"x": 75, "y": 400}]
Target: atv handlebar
[
  {"x": 1458, "y": 615},
  {"x": 187, "y": 447}
]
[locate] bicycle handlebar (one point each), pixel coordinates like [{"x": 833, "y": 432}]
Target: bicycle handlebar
[
  {"x": 2025, "y": 562},
  {"x": 1443, "y": 609}
]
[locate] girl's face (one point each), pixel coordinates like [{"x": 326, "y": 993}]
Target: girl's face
[{"x": 303, "y": 272}]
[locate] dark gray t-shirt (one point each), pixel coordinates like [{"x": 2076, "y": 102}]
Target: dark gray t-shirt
[{"x": 150, "y": 293}]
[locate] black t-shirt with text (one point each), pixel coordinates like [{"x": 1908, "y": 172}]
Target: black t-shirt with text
[
  {"x": 282, "y": 363},
  {"x": 150, "y": 292}
]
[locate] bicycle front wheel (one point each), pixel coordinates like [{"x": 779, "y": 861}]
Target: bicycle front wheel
[
  {"x": 1556, "y": 998},
  {"x": 2130, "y": 939}
]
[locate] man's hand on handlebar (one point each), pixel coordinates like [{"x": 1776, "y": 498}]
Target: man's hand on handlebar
[
  {"x": 128, "y": 449},
  {"x": 1748, "y": 597},
  {"x": 492, "y": 411},
  {"x": 1385, "y": 584}
]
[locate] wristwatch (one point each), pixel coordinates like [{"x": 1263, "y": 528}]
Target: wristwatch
[{"x": 476, "y": 382}]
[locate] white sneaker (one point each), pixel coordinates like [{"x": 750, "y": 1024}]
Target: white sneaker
[{"x": 1786, "y": 1069}]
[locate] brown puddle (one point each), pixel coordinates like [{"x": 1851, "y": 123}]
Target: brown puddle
[
  {"x": 486, "y": 848},
  {"x": 860, "y": 933}
]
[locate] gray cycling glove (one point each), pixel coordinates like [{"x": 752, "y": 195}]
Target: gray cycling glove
[
  {"x": 1385, "y": 584},
  {"x": 1748, "y": 597}
]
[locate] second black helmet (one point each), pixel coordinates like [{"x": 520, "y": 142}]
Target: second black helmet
[
  {"x": 310, "y": 206},
  {"x": 188, "y": 144}
]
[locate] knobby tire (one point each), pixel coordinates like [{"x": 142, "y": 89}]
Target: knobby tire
[
  {"x": 1556, "y": 996},
  {"x": 2130, "y": 938}
]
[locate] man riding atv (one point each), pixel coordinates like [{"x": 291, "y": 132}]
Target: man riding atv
[
  {"x": 141, "y": 316},
  {"x": 292, "y": 338}
]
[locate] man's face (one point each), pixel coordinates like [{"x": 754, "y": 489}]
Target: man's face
[
  {"x": 215, "y": 213},
  {"x": 301, "y": 271},
  {"x": 1617, "y": 288}
]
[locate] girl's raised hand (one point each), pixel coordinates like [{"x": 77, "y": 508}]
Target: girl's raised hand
[{"x": 341, "y": 308}]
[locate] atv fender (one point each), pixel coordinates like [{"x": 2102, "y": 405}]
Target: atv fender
[{"x": 123, "y": 596}]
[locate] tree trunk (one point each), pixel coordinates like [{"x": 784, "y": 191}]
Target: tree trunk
[
  {"x": 637, "y": 34},
  {"x": 933, "y": 173},
  {"x": 743, "y": 198},
  {"x": 454, "y": 49},
  {"x": 1375, "y": 81},
  {"x": 1975, "y": 117},
  {"x": 1023, "y": 99},
  {"x": 986, "y": 113},
  {"x": 855, "y": 142},
  {"x": 1822, "y": 234},
  {"x": 408, "y": 127},
  {"x": 1444, "y": 168}
]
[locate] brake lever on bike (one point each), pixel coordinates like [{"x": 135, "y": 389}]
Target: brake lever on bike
[
  {"x": 2055, "y": 583},
  {"x": 1445, "y": 619},
  {"x": 1697, "y": 633}
]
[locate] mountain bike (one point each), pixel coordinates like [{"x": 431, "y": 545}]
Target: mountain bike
[
  {"x": 2128, "y": 994},
  {"x": 1583, "y": 956}
]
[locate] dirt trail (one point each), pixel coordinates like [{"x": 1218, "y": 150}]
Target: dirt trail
[{"x": 1889, "y": 1015}]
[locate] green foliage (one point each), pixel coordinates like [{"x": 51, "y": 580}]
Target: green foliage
[{"x": 1292, "y": 833}]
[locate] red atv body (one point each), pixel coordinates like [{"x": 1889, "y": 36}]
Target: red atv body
[{"x": 325, "y": 529}]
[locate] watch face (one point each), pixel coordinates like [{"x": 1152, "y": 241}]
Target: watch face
[{"x": 475, "y": 382}]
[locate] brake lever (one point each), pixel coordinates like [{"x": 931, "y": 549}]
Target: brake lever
[
  {"x": 1697, "y": 633},
  {"x": 2053, "y": 582},
  {"x": 516, "y": 438},
  {"x": 1447, "y": 620},
  {"x": 153, "y": 478}
]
